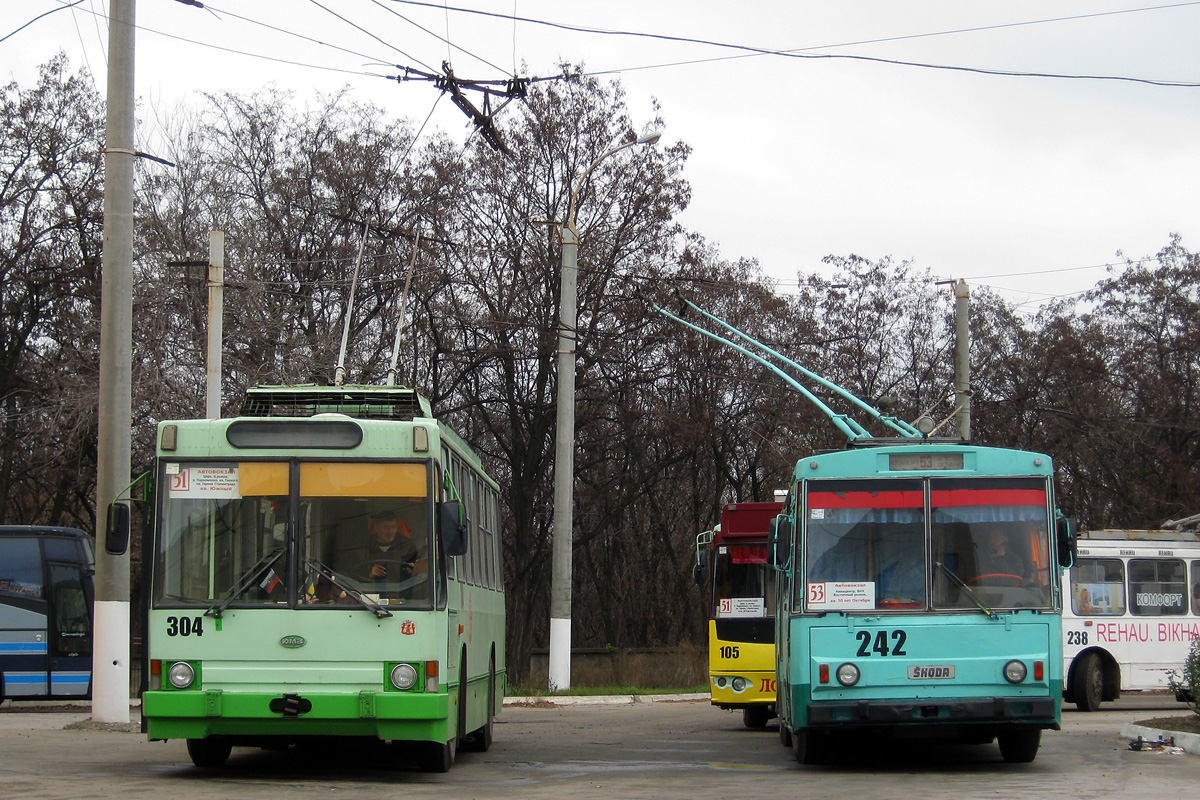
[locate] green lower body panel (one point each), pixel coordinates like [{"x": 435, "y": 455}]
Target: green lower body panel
[{"x": 385, "y": 715}]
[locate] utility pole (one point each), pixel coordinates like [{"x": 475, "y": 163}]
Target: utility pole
[
  {"x": 110, "y": 649},
  {"x": 216, "y": 305},
  {"x": 962, "y": 360}
]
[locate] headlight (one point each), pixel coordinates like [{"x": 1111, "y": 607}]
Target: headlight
[
  {"x": 848, "y": 674},
  {"x": 1014, "y": 672},
  {"x": 404, "y": 676},
  {"x": 181, "y": 675},
  {"x": 739, "y": 684}
]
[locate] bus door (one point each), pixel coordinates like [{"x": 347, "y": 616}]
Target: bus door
[
  {"x": 22, "y": 618},
  {"x": 69, "y": 629}
]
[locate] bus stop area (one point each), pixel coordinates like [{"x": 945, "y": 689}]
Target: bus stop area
[{"x": 661, "y": 747}]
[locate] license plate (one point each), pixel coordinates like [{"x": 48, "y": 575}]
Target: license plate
[{"x": 931, "y": 672}]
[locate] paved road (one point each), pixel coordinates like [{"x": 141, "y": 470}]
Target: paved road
[{"x": 686, "y": 750}]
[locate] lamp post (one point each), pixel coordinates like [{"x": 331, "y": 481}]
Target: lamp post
[{"x": 564, "y": 444}]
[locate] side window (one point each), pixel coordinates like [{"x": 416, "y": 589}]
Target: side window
[
  {"x": 1196, "y": 587},
  {"x": 20, "y": 567},
  {"x": 1098, "y": 587},
  {"x": 62, "y": 549},
  {"x": 1157, "y": 587}
]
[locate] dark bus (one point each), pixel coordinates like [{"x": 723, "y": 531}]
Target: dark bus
[{"x": 45, "y": 613}]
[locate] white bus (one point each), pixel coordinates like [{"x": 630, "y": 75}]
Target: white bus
[{"x": 1134, "y": 611}]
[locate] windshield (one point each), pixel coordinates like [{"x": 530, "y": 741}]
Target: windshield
[
  {"x": 871, "y": 544},
  {"x": 273, "y": 534},
  {"x": 743, "y": 582}
]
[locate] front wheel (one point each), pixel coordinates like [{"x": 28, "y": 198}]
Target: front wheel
[
  {"x": 436, "y": 756},
  {"x": 810, "y": 748},
  {"x": 210, "y": 752},
  {"x": 1089, "y": 683},
  {"x": 755, "y": 717},
  {"x": 1020, "y": 747},
  {"x": 480, "y": 739}
]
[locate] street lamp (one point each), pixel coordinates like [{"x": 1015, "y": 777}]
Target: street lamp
[{"x": 564, "y": 444}]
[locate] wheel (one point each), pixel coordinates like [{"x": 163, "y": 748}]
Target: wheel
[
  {"x": 755, "y": 717},
  {"x": 435, "y": 756},
  {"x": 1020, "y": 747},
  {"x": 209, "y": 752},
  {"x": 480, "y": 739},
  {"x": 1089, "y": 683},
  {"x": 809, "y": 747}
]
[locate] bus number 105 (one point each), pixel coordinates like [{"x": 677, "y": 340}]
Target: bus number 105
[{"x": 728, "y": 651}]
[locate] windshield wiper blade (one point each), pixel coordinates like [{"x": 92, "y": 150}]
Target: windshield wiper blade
[
  {"x": 376, "y": 609},
  {"x": 248, "y": 578},
  {"x": 966, "y": 588}
]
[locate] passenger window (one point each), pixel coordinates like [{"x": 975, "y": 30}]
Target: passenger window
[
  {"x": 20, "y": 567},
  {"x": 1196, "y": 587},
  {"x": 1098, "y": 587},
  {"x": 1157, "y": 587}
]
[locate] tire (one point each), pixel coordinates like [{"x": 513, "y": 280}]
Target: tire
[
  {"x": 756, "y": 717},
  {"x": 809, "y": 748},
  {"x": 1020, "y": 747},
  {"x": 1089, "y": 683},
  {"x": 210, "y": 752},
  {"x": 436, "y": 757},
  {"x": 480, "y": 739}
]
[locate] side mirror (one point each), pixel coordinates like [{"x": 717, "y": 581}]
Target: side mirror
[
  {"x": 451, "y": 528},
  {"x": 116, "y": 530},
  {"x": 1066, "y": 541},
  {"x": 781, "y": 541}
]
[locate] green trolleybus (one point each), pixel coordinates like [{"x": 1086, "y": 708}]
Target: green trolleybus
[
  {"x": 920, "y": 596},
  {"x": 326, "y": 564}
]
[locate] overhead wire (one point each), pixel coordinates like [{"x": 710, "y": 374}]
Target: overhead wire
[{"x": 751, "y": 51}]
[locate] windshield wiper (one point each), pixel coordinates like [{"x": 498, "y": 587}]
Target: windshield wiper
[
  {"x": 355, "y": 595},
  {"x": 248, "y": 578},
  {"x": 965, "y": 588}
]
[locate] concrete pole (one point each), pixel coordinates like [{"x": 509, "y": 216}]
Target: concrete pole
[
  {"x": 110, "y": 648},
  {"x": 216, "y": 306},
  {"x": 962, "y": 360},
  {"x": 564, "y": 441},
  {"x": 564, "y": 466}
]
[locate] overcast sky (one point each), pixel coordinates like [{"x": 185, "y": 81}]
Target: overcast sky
[{"x": 1025, "y": 184}]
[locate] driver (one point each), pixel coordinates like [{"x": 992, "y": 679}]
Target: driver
[
  {"x": 390, "y": 552},
  {"x": 999, "y": 557}
]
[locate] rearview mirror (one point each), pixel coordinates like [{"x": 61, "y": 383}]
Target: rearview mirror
[
  {"x": 452, "y": 529},
  {"x": 1066, "y": 541},
  {"x": 116, "y": 530}
]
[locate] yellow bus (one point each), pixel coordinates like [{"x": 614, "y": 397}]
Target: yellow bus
[{"x": 732, "y": 561}]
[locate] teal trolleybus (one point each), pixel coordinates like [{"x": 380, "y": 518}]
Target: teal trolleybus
[
  {"x": 919, "y": 586},
  {"x": 920, "y": 596},
  {"x": 326, "y": 564}
]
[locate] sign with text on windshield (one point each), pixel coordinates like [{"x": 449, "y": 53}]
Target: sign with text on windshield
[
  {"x": 220, "y": 482},
  {"x": 841, "y": 595},
  {"x": 741, "y": 607}
]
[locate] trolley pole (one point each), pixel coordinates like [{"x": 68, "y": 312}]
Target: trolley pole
[{"x": 110, "y": 649}]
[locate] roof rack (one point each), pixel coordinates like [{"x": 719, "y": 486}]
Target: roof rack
[{"x": 361, "y": 402}]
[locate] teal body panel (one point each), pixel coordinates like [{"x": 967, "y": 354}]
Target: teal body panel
[{"x": 976, "y": 647}]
